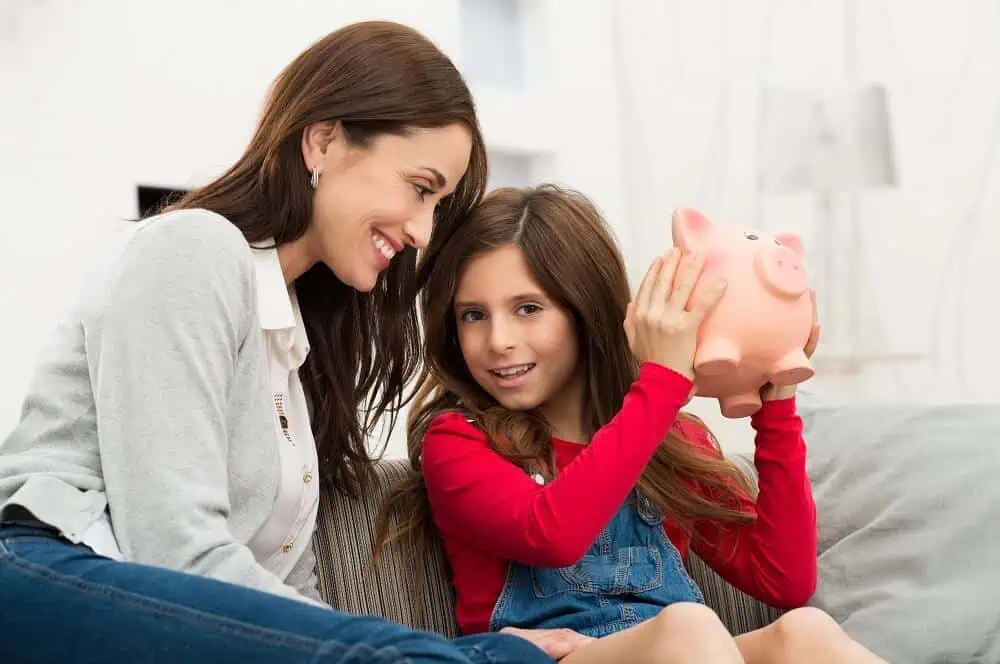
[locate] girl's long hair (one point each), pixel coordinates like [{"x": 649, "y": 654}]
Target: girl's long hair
[{"x": 573, "y": 257}]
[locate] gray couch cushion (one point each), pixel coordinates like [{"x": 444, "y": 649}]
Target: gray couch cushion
[{"x": 909, "y": 527}]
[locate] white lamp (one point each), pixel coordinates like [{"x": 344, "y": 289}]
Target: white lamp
[{"x": 832, "y": 144}]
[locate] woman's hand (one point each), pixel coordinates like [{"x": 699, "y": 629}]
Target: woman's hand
[
  {"x": 661, "y": 324},
  {"x": 557, "y": 643},
  {"x": 771, "y": 392}
]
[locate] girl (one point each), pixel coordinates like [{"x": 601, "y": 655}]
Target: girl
[
  {"x": 551, "y": 454},
  {"x": 159, "y": 495}
]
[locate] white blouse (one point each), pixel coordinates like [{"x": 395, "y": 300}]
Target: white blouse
[{"x": 287, "y": 534}]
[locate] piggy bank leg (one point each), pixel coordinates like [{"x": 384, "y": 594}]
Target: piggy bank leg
[
  {"x": 738, "y": 406},
  {"x": 716, "y": 356},
  {"x": 792, "y": 369}
]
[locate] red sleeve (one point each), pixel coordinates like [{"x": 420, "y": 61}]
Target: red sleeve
[
  {"x": 775, "y": 558},
  {"x": 482, "y": 498}
]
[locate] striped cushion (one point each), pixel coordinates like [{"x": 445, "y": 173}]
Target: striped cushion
[
  {"x": 345, "y": 534},
  {"x": 349, "y": 582},
  {"x": 739, "y": 612}
]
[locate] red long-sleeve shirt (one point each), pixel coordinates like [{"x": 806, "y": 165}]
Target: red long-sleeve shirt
[{"x": 490, "y": 512}]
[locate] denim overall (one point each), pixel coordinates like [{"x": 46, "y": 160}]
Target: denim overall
[{"x": 629, "y": 575}]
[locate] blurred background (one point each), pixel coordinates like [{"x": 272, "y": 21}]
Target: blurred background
[{"x": 869, "y": 128}]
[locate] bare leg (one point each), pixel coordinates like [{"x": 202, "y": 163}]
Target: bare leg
[
  {"x": 683, "y": 633},
  {"x": 803, "y": 635}
]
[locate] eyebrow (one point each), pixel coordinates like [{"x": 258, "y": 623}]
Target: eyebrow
[
  {"x": 514, "y": 298},
  {"x": 441, "y": 180}
]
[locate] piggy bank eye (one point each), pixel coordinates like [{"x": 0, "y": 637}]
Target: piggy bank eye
[
  {"x": 776, "y": 242},
  {"x": 751, "y": 236}
]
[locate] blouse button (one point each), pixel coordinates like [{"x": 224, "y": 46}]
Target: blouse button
[
  {"x": 287, "y": 546},
  {"x": 307, "y": 477},
  {"x": 283, "y": 421}
]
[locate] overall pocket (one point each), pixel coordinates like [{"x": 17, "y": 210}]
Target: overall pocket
[{"x": 627, "y": 571}]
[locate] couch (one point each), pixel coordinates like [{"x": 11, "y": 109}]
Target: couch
[
  {"x": 349, "y": 582},
  {"x": 908, "y": 503}
]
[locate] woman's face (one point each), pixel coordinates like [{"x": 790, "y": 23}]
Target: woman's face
[{"x": 372, "y": 202}]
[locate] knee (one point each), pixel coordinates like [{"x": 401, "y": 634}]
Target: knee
[
  {"x": 808, "y": 626},
  {"x": 686, "y": 626},
  {"x": 689, "y": 616}
]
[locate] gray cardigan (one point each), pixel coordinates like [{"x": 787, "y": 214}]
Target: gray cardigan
[{"x": 153, "y": 401}]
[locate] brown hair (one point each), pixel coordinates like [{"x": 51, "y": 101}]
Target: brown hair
[
  {"x": 374, "y": 78},
  {"x": 574, "y": 258}
]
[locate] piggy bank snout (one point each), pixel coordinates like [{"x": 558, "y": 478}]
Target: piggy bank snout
[{"x": 782, "y": 271}]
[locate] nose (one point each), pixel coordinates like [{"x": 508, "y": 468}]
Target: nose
[
  {"x": 782, "y": 271},
  {"x": 788, "y": 260},
  {"x": 502, "y": 335},
  {"x": 417, "y": 231}
]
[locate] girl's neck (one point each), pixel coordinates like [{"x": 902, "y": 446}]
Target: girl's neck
[{"x": 564, "y": 413}]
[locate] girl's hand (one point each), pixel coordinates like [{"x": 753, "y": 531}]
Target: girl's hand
[
  {"x": 770, "y": 392},
  {"x": 660, "y": 323}
]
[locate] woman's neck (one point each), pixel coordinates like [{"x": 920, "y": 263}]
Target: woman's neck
[{"x": 296, "y": 258}]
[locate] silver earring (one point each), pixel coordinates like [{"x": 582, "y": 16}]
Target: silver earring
[{"x": 314, "y": 177}]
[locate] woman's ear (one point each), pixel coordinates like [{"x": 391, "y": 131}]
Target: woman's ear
[{"x": 317, "y": 140}]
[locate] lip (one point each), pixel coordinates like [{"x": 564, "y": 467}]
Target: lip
[
  {"x": 514, "y": 381},
  {"x": 396, "y": 245},
  {"x": 380, "y": 258}
]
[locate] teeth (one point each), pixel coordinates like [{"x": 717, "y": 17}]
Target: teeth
[
  {"x": 384, "y": 247},
  {"x": 510, "y": 372}
]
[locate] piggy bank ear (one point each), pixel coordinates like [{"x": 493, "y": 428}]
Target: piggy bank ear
[
  {"x": 689, "y": 228},
  {"x": 792, "y": 241}
]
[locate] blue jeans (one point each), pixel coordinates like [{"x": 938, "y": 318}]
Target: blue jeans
[{"x": 60, "y": 602}]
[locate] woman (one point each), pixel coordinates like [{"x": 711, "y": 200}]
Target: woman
[{"x": 160, "y": 491}]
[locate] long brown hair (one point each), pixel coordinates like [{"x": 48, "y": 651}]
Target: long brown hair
[
  {"x": 374, "y": 78},
  {"x": 573, "y": 257}
]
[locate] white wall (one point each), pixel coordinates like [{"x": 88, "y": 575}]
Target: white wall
[
  {"x": 643, "y": 106},
  {"x": 695, "y": 74}
]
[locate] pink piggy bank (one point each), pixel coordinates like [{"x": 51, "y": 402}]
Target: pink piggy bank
[{"x": 757, "y": 331}]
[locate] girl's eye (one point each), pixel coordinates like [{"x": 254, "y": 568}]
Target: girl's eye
[
  {"x": 528, "y": 309},
  {"x": 471, "y": 316}
]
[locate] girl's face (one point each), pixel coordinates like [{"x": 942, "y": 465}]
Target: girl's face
[{"x": 518, "y": 344}]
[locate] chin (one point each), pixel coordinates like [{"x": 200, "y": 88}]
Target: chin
[
  {"x": 363, "y": 281},
  {"x": 365, "y": 287},
  {"x": 519, "y": 403}
]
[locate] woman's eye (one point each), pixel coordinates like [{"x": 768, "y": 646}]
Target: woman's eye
[{"x": 421, "y": 190}]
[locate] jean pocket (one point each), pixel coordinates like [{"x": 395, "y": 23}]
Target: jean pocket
[{"x": 627, "y": 571}]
